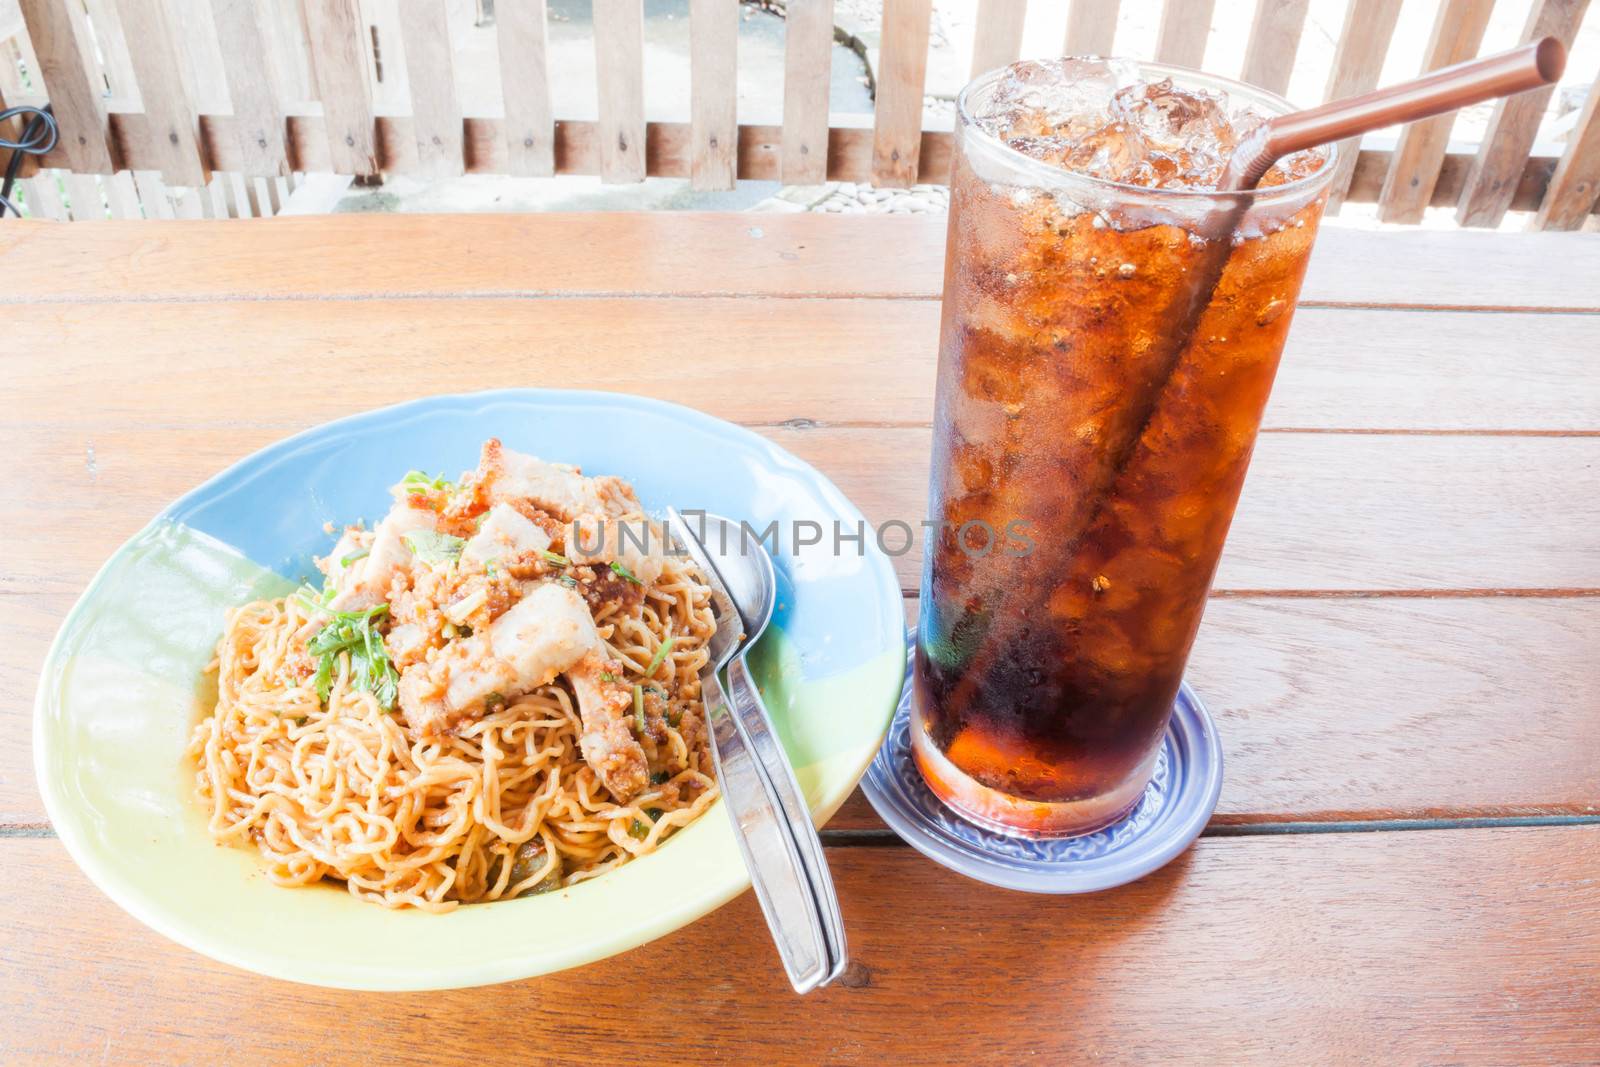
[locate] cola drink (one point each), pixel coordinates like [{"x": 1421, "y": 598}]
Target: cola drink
[{"x": 1111, "y": 329}]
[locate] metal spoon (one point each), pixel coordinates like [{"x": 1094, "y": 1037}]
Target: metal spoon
[
  {"x": 744, "y": 567},
  {"x": 781, "y": 879}
]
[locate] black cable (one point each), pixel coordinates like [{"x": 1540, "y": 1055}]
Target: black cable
[{"x": 38, "y": 137}]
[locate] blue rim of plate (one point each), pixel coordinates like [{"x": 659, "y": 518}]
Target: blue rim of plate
[
  {"x": 830, "y": 672},
  {"x": 1173, "y": 811}
]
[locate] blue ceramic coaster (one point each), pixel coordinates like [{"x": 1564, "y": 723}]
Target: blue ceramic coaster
[{"x": 1170, "y": 815}]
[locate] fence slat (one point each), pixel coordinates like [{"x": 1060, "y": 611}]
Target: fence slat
[
  {"x": 1408, "y": 188},
  {"x": 521, "y": 33},
  {"x": 807, "y": 78},
  {"x": 256, "y": 110},
  {"x": 1091, "y": 27},
  {"x": 111, "y": 46},
  {"x": 60, "y": 36},
  {"x": 619, "y": 66},
  {"x": 83, "y": 195},
  {"x": 1274, "y": 42},
  {"x": 1185, "y": 24},
  {"x": 121, "y": 196},
  {"x": 902, "y": 70},
  {"x": 713, "y": 92},
  {"x": 1514, "y": 125},
  {"x": 1357, "y": 63},
  {"x": 168, "y": 105},
  {"x": 153, "y": 194},
  {"x": 1576, "y": 183},
  {"x": 339, "y": 57},
  {"x": 999, "y": 34},
  {"x": 435, "y": 103},
  {"x": 43, "y": 197}
]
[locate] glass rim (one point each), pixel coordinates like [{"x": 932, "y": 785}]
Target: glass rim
[{"x": 1235, "y": 88}]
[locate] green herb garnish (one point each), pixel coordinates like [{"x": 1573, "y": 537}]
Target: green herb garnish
[
  {"x": 355, "y": 634},
  {"x": 607, "y": 676},
  {"x": 654, "y": 813},
  {"x": 351, "y": 557},
  {"x": 639, "y": 830},
  {"x": 432, "y": 547},
  {"x": 555, "y": 557},
  {"x": 661, "y": 654},
  {"x": 314, "y": 600},
  {"x": 625, "y": 572},
  {"x": 638, "y": 709},
  {"x": 423, "y": 482},
  {"x": 568, "y": 580},
  {"x": 675, "y": 718},
  {"x": 659, "y": 777},
  {"x": 493, "y": 701}
]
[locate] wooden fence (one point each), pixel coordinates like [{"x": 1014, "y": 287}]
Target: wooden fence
[{"x": 300, "y": 77}]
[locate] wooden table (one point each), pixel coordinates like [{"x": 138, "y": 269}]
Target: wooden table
[{"x": 1403, "y": 652}]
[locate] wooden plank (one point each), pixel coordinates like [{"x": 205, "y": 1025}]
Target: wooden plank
[
  {"x": 339, "y": 54},
  {"x": 42, "y": 197},
  {"x": 793, "y": 255},
  {"x": 1350, "y": 370},
  {"x": 1576, "y": 182},
  {"x": 520, "y": 33},
  {"x": 1357, "y": 64},
  {"x": 168, "y": 104},
  {"x": 435, "y": 103},
  {"x": 1274, "y": 42},
  {"x": 1324, "y": 705},
  {"x": 713, "y": 92},
  {"x": 60, "y": 36},
  {"x": 1091, "y": 28},
  {"x": 258, "y": 116},
  {"x": 1414, "y": 167},
  {"x": 807, "y": 74},
  {"x": 84, "y": 199},
  {"x": 902, "y": 70},
  {"x": 1465, "y": 946},
  {"x": 121, "y": 195},
  {"x": 153, "y": 194},
  {"x": 1514, "y": 124},
  {"x": 112, "y": 59},
  {"x": 1185, "y": 25},
  {"x": 998, "y": 37},
  {"x": 619, "y": 65}
]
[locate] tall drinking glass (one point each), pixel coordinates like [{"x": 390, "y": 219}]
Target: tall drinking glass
[{"x": 1105, "y": 355}]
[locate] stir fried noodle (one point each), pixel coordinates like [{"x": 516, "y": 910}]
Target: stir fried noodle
[{"x": 496, "y": 693}]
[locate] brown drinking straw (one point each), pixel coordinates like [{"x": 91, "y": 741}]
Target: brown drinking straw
[{"x": 1518, "y": 70}]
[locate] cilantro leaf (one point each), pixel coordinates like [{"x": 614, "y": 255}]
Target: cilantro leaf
[{"x": 432, "y": 547}]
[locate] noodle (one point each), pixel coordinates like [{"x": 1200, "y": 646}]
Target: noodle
[{"x": 344, "y": 790}]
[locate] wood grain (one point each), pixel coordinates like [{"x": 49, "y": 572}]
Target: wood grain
[
  {"x": 521, "y": 35},
  {"x": 998, "y": 36},
  {"x": 1091, "y": 28},
  {"x": 1181, "y": 37},
  {"x": 1274, "y": 41},
  {"x": 1576, "y": 183},
  {"x": 619, "y": 65},
  {"x": 1464, "y": 946},
  {"x": 1357, "y": 63},
  {"x": 435, "y": 103},
  {"x": 778, "y": 255},
  {"x": 713, "y": 92},
  {"x": 1414, "y": 169},
  {"x": 807, "y": 73},
  {"x": 1514, "y": 124},
  {"x": 59, "y": 34},
  {"x": 171, "y": 119},
  {"x": 336, "y": 42},
  {"x": 259, "y": 124},
  {"x": 902, "y": 71}
]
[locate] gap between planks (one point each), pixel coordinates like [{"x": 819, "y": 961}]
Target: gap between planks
[{"x": 703, "y": 294}]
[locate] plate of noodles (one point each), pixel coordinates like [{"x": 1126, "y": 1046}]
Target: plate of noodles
[{"x": 411, "y": 700}]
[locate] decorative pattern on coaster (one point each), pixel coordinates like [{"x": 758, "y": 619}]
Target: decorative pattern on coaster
[{"x": 1174, "y": 809}]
